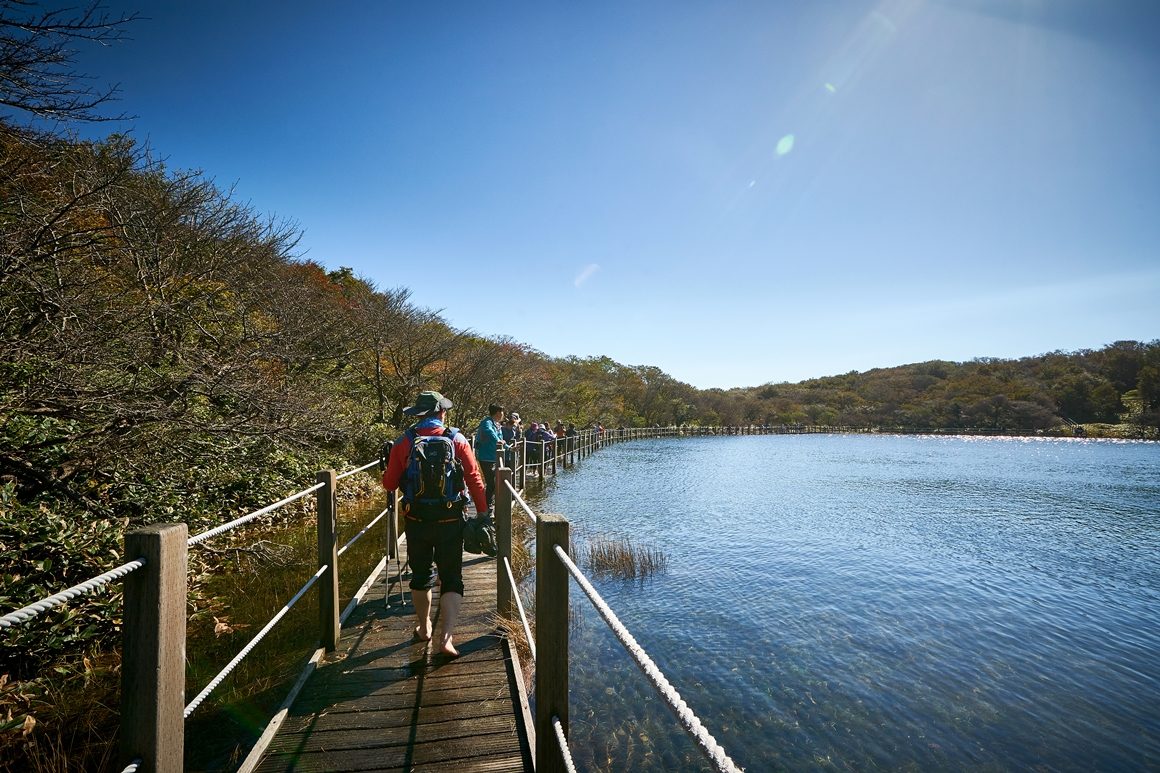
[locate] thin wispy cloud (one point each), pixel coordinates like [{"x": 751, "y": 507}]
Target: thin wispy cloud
[{"x": 586, "y": 274}]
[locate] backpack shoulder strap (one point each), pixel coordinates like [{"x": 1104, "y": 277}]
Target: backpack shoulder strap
[{"x": 451, "y": 433}]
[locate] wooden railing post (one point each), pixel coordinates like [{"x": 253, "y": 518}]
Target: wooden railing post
[
  {"x": 517, "y": 462},
  {"x": 551, "y": 641},
  {"x": 503, "y": 541},
  {"x": 153, "y": 650},
  {"x": 328, "y": 625}
]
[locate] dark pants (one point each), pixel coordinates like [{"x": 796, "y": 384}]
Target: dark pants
[
  {"x": 442, "y": 543},
  {"x": 487, "y": 470}
]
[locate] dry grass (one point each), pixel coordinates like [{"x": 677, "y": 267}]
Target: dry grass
[
  {"x": 514, "y": 631},
  {"x": 75, "y": 720},
  {"x": 523, "y": 535},
  {"x": 608, "y": 557}
]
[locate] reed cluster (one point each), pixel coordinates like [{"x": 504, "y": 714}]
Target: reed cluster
[{"x": 620, "y": 557}]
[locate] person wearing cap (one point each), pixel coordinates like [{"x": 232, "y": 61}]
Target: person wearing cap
[
  {"x": 487, "y": 439},
  {"x": 549, "y": 438},
  {"x": 432, "y": 537}
]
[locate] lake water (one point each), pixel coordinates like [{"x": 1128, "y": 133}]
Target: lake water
[{"x": 848, "y": 602}]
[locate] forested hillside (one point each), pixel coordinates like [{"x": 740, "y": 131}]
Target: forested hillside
[{"x": 1118, "y": 383}]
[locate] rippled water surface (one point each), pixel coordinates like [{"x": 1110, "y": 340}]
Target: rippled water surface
[{"x": 845, "y": 602}]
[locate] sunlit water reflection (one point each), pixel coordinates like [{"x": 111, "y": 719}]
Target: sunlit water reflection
[{"x": 856, "y": 602}]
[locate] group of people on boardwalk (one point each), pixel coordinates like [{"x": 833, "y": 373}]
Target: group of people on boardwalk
[
  {"x": 553, "y": 438},
  {"x": 436, "y": 469}
]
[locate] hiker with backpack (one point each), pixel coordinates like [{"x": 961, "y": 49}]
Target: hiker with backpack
[
  {"x": 434, "y": 467},
  {"x": 487, "y": 438}
]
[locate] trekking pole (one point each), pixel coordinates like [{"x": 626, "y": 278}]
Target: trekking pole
[
  {"x": 392, "y": 545},
  {"x": 399, "y": 562},
  {"x": 392, "y": 531}
]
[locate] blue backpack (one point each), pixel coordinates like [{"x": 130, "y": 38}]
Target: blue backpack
[{"x": 433, "y": 480}]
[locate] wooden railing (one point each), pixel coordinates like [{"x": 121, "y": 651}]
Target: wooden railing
[{"x": 155, "y": 581}]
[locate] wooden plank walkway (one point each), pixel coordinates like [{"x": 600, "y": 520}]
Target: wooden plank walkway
[{"x": 383, "y": 702}]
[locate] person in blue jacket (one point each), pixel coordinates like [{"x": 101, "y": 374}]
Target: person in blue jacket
[
  {"x": 511, "y": 434},
  {"x": 487, "y": 438}
]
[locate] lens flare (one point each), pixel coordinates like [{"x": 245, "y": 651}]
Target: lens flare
[
  {"x": 830, "y": 88},
  {"x": 586, "y": 274},
  {"x": 785, "y": 145}
]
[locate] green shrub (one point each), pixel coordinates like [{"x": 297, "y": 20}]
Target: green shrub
[{"x": 41, "y": 553}]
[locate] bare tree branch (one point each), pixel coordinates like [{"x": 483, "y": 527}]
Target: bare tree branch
[{"x": 37, "y": 54}]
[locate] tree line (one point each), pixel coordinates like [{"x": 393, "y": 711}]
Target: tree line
[{"x": 1117, "y": 384}]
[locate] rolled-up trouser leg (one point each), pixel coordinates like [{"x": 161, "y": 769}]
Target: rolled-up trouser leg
[
  {"x": 439, "y": 543},
  {"x": 449, "y": 557},
  {"x": 421, "y": 554}
]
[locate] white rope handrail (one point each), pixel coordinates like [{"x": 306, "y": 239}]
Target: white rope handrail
[
  {"x": 247, "y": 518},
  {"x": 366, "y": 466},
  {"x": 253, "y": 643},
  {"x": 565, "y": 752},
  {"x": 520, "y": 499},
  {"x": 354, "y": 539},
  {"x": 32, "y": 610},
  {"x": 703, "y": 739},
  {"x": 520, "y": 607}
]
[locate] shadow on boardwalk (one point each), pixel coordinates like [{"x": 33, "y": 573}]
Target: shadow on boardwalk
[{"x": 384, "y": 702}]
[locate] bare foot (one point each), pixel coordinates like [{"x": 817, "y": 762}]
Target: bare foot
[
  {"x": 423, "y": 633},
  {"x": 447, "y": 648}
]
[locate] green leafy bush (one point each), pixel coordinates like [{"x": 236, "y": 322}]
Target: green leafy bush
[{"x": 42, "y": 552}]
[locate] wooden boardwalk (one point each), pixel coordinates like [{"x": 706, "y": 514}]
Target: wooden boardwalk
[{"x": 383, "y": 702}]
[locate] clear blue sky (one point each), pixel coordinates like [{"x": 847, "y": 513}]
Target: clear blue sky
[{"x": 965, "y": 177}]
